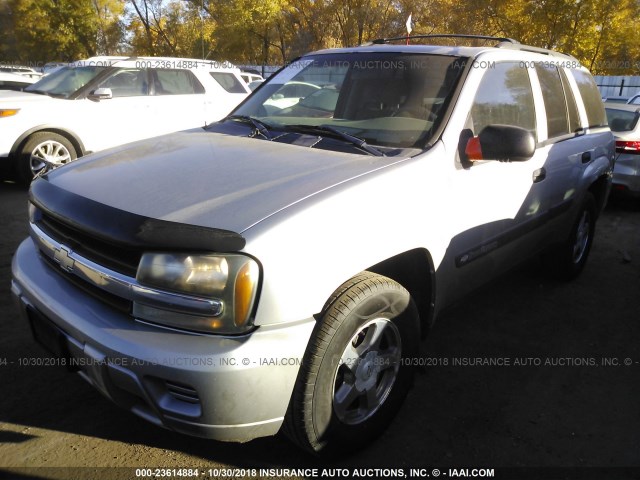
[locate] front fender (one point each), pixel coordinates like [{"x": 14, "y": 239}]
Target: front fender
[
  {"x": 309, "y": 249},
  {"x": 65, "y": 132}
]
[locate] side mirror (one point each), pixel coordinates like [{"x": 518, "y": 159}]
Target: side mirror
[
  {"x": 101, "y": 94},
  {"x": 501, "y": 142}
]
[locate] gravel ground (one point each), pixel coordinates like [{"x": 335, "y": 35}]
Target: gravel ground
[{"x": 562, "y": 398}]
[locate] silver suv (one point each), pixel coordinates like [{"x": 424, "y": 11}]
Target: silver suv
[{"x": 277, "y": 269}]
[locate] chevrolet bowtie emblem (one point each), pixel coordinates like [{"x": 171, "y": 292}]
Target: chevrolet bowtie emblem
[{"x": 63, "y": 259}]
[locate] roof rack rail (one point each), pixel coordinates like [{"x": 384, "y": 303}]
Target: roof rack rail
[
  {"x": 528, "y": 48},
  {"x": 503, "y": 42},
  {"x": 381, "y": 41}
]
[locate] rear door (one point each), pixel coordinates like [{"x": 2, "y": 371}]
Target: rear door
[
  {"x": 178, "y": 100},
  {"x": 564, "y": 142}
]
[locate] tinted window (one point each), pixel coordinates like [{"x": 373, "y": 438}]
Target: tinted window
[
  {"x": 554, "y": 101},
  {"x": 504, "y": 97},
  {"x": 621, "y": 120},
  {"x": 591, "y": 98},
  {"x": 176, "y": 82},
  {"x": 572, "y": 108},
  {"x": 128, "y": 82},
  {"x": 229, "y": 82}
]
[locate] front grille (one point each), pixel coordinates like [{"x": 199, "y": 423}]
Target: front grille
[
  {"x": 115, "y": 257},
  {"x": 119, "y": 303}
]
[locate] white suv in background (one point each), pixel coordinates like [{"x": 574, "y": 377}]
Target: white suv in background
[{"x": 102, "y": 102}]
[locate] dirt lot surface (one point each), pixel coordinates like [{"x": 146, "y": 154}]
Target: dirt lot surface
[{"x": 566, "y": 397}]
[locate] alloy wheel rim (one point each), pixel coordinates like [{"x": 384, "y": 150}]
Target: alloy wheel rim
[
  {"x": 367, "y": 371},
  {"x": 582, "y": 237},
  {"x": 49, "y": 153}
]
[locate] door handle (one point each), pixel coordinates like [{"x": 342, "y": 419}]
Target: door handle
[
  {"x": 586, "y": 157},
  {"x": 539, "y": 175}
]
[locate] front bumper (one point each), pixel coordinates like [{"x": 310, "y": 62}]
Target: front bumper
[{"x": 224, "y": 388}]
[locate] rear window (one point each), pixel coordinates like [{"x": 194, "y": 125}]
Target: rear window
[
  {"x": 621, "y": 120},
  {"x": 229, "y": 82},
  {"x": 591, "y": 98}
]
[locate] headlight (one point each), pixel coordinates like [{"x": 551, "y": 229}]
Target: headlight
[{"x": 228, "y": 283}]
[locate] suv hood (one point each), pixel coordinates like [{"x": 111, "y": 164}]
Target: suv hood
[
  {"x": 209, "y": 179},
  {"x": 17, "y": 98}
]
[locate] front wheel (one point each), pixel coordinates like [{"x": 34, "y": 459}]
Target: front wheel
[
  {"x": 43, "y": 151},
  {"x": 355, "y": 373}
]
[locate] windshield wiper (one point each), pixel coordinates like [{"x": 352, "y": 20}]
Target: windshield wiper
[
  {"x": 328, "y": 130},
  {"x": 259, "y": 127}
]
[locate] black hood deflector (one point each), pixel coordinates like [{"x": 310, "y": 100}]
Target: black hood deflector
[{"x": 124, "y": 228}]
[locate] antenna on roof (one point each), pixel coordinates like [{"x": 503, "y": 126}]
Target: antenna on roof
[{"x": 409, "y": 28}]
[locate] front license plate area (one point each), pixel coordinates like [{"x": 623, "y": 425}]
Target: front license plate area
[{"x": 48, "y": 335}]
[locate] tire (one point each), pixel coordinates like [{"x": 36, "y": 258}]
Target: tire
[
  {"x": 43, "y": 149},
  {"x": 570, "y": 258},
  {"x": 353, "y": 379}
]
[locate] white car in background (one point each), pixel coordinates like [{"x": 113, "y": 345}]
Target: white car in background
[
  {"x": 290, "y": 94},
  {"x": 13, "y": 81},
  {"x": 27, "y": 72},
  {"x": 102, "y": 102}
]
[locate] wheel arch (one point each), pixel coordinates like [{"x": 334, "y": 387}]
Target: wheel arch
[
  {"x": 68, "y": 134},
  {"x": 413, "y": 270},
  {"x": 600, "y": 190}
]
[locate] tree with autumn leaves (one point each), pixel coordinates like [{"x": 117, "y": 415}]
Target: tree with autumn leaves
[{"x": 600, "y": 33}]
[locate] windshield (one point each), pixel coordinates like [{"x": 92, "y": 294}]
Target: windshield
[
  {"x": 62, "y": 83},
  {"x": 388, "y": 99}
]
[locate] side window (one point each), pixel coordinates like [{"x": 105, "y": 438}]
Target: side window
[
  {"x": 176, "y": 82},
  {"x": 228, "y": 81},
  {"x": 554, "y": 100},
  {"x": 504, "y": 97},
  {"x": 572, "y": 108},
  {"x": 129, "y": 82},
  {"x": 591, "y": 98}
]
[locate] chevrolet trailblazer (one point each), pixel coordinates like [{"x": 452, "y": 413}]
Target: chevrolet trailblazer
[{"x": 275, "y": 270}]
